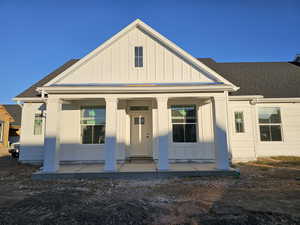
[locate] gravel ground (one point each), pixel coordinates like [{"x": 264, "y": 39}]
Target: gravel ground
[{"x": 261, "y": 196}]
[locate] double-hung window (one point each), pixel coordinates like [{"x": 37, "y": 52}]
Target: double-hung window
[
  {"x": 92, "y": 125},
  {"x": 38, "y": 124},
  {"x": 269, "y": 124},
  {"x": 184, "y": 123},
  {"x": 138, "y": 56},
  {"x": 239, "y": 122}
]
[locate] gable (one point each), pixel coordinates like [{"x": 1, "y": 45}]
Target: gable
[{"x": 113, "y": 62}]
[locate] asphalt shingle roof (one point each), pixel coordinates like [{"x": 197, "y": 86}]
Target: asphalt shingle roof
[
  {"x": 31, "y": 92},
  {"x": 16, "y": 112},
  {"x": 270, "y": 79}
]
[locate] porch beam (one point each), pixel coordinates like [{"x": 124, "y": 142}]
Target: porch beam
[
  {"x": 110, "y": 146},
  {"x": 52, "y": 135},
  {"x": 163, "y": 132},
  {"x": 221, "y": 132}
]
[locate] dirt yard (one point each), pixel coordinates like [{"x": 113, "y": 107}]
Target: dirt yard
[{"x": 267, "y": 192}]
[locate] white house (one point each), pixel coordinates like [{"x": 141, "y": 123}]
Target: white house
[{"x": 140, "y": 95}]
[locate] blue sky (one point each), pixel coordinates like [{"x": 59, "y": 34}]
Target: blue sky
[{"x": 38, "y": 36}]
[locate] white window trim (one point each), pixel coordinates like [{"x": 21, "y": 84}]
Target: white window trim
[
  {"x": 42, "y": 125},
  {"x": 80, "y": 125},
  {"x": 258, "y": 124},
  {"x": 142, "y": 57},
  {"x": 171, "y": 123},
  {"x": 244, "y": 122}
]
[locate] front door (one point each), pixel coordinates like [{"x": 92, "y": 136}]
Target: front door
[{"x": 141, "y": 133}]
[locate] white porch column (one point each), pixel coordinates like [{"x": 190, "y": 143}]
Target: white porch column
[
  {"x": 110, "y": 146},
  {"x": 221, "y": 130},
  {"x": 163, "y": 133},
  {"x": 52, "y": 135}
]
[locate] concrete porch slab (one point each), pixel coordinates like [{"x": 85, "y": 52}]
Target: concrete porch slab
[{"x": 133, "y": 170}]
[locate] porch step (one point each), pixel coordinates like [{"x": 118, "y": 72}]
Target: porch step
[{"x": 140, "y": 159}]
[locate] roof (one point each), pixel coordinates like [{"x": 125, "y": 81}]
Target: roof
[
  {"x": 31, "y": 91},
  {"x": 15, "y": 112},
  {"x": 270, "y": 79}
]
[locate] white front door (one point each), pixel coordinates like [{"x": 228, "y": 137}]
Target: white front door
[{"x": 141, "y": 133}]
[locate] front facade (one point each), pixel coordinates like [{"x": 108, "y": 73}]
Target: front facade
[{"x": 138, "y": 95}]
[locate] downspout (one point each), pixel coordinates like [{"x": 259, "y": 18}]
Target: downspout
[{"x": 254, "y": 125}]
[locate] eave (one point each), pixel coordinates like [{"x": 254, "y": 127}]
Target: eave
[{"x": 135, "y": 89}]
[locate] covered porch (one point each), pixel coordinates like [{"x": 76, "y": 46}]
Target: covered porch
[{"x": 125, "y": 114}]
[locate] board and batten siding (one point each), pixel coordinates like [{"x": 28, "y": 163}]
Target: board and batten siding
[{"x": 115, "y": 64}]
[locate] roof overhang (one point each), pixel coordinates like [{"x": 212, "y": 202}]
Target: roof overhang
[
  {"x": 137, "y": 88},
  {"x": 277, "y": 100},
  {"x": 256, "y": 99}
]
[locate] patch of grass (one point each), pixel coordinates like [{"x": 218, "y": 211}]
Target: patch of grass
[
  {"x": 287, "y": 158},
  {"x": 280, "y": 161}
]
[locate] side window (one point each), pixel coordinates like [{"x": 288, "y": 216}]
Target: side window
[
  {"x": 184, "y": 123},
  {"x": 138, "y": 56},
  {"x": 269, "y": 120},
  {"x": 93, "y": 125},
  {"x": 239, "y": 122},
  {"x": 38, "y": 124}
]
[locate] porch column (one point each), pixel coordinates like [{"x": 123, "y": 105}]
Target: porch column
[
  {"x": 221, "y": 130},
  {"x": 110, "y": 146},
  {"x": 163, "y": 133},
  {"x": 52, "y": 135}
]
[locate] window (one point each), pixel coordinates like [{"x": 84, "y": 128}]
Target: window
[
  {"x": 184, "y": 123},
  {"x": 93, "y": 125},
  {"x": 138, "y": 56},
  {"x": 239, "y": 122},
  {"x": 269, "y": 124},
  {"x": 1, "y": 130},
  {"x": 38, "y": 124},
  {"x": 139, "y": 120}
]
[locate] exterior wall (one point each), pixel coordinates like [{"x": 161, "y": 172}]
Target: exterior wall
[
  {"x": 247, "y": 146},
  {"x": 115, "y": 64},
  {"x": 242, "y": 145},
  {"x": 203, "y": 149},
  {"x": 70, "y": 133},
  {"x": 290, "y": 145},
  {"x": 31, "y": 145}
]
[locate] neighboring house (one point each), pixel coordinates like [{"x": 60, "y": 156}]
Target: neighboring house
[
  {"x": 140, "y": 95},
  {"x": 10, "y": 123},
  {"x": 14, "y": 127}
]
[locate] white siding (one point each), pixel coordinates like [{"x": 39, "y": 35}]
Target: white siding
[
  {"x": 115, "y": 64},
  {"x": 242, "y": 145},
  {"x": 290, "y": 116},
  {"x": 247, "y": 146},
  {"x": 203, "y": 149},
  {"x": 31, "y": 145}
]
